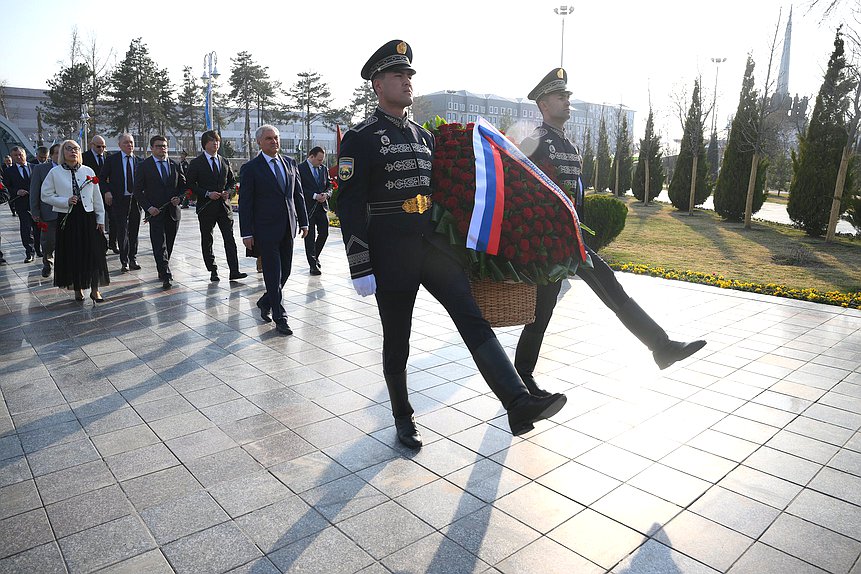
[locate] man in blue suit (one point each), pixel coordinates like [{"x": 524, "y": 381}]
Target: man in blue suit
[
  {"x": 17, "y": 179},
  {"x": 117, "y": 179},
  {"x": 159, "y": 187},
  {"x": 318, "y": 190},
  {"x": 271, "y": 206}
]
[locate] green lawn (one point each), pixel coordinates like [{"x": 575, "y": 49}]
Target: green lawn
[{"x": 660, "y": 236}]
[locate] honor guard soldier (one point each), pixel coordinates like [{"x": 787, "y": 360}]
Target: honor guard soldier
[
  {"x": 548, "y": 143},
  {"x": 384, "y": 204}
]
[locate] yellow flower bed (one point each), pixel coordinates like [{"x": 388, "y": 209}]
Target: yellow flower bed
[{"x": 850, "y": 300}]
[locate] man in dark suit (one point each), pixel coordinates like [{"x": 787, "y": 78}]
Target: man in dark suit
[
  {"x": 318, "y": 190},
  {"x": 42, "y": 212},
  {"x": 118, "y": 177},
  {"x": 211, "y": 179},
  {"x": 159, "y": 188},
  {"x": 270, "y": 206},
  {"x": 17, "y": 179},
  {"x": 94, "y": 158}
]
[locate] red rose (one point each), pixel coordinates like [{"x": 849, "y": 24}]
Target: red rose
[
  {"x": 528, "y": 214},
  {"x": 548, "y": 242},
  {"x": 535, "y": 241},
  {"x": 524, "y": 245},
  {"x": 506, "y": 226},
  {"x": 509, "y": 252},
  {"x": 94, "y": 179}
]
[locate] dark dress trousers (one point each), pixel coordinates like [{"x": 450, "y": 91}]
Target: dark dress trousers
[
  {"x": 45, "y": 212},
  {"x": 96, "y": 163},
  {"x": 124, "y": 211},
  {"x": 14, "y": 180},
  {"x": 202, "y": 179},
  {"x": 154, "y": 188},
  {"x": 270, "y": 214},
  {"x": 318, "y": 221}
]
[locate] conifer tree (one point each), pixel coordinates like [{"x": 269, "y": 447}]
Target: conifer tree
[
  {"x": 691, "y": 160},
  {"x": 602, "y": 158},
  {"x": 731, "y": 190},
  {"x": 311, "y": 97},
  {"x": 650, "y": 158},
  {"x": 588, "y": 171},
  {"x": 623, "y": 162},
  {"x": 713, "y": 156},
  {"x": 189, "y": 100},
  {"x": 245, "y": 76},
  {"x": 135, "y": 93},
  {"x": 363, "y": 103},
  {"x": 816, "y": 164},
  {"x": 68, "y": 90}
]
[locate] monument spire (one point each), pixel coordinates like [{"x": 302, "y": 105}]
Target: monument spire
[{"x": 782, "y": 90}]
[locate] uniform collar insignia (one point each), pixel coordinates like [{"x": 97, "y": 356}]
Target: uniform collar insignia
[
  {"x": 401, "y": 122},
  {"x": 380, "y": 132}
]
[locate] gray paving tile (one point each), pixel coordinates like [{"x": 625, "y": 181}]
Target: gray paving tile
[
  {"x": 44, "y": 559},
  {"x": 828, "y": 512},
  {"x": 597, "y": 538},
  {"x": 328, "y": 552},
  {"x": 231, "y": 411},
  {"x": 152, "y": 562},
  {"x": 24, "y": 531},
  {"x": 248, "y": 493},
  {"x": 329, "y": 432},
  {"x": 141, "y": 461},
  {"x": 223, "y": 465},
  {"x": 579, "y": 483},
  {"x": 305, "y": 472},
  {"x": 343, "y": 498},
  {"x": 549, "y": 557},
  {"x": 763, "y": 559},
  {"x": 72, "y": 481},
  {"x": 704, "y": 540},
  {"x": 278, "y": 448},
  {"x": 384, "y": 529},
  {"x": 18, "y": 497},
  {"x": 760, "y": 486},
  {"x": 529, "y": 459},
  {"x": 440, "y": 503},
  {"x": 259, "y": 566},
  {"x": 636, "y": 509},
  {"x": 396, "y": 476},
  {"x": 509, "y": 535},
  {"x": 252, "y": 428},
  {"x": 445, "y": 456},
  {"x": 124, "y": 440},
  {"x": 44, "y": 437},
  {"x": 838, "y": 484},
  {"x": 655, "y": 558},
  {"x": 54, "y": 458},
  {"x": 783, "y": 465},
  {"x": 163, "y": 408},
  {"x": 538, "y": 506},
  {"x": 87, "y": 510},
  {"x": 202, "y": 443},
  {"x": 159, "y": 486},
  {"x": 828, "y": 550},
  {"x": 180, "y": 425},
  {"x": 106, "y": 544},
  {"x": 281, "y": 523},
  {"x": 102, "y": 423},
  {"x": 182, "y": 516},
  {"x": 434, "y": 553},
  {"x": 361, "y": 453},
  {"x": 214, "y": 550}
]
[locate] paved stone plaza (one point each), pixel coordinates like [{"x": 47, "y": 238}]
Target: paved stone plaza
[{"x": 173, "y": 431}]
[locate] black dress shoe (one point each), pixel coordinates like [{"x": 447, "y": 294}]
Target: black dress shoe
[
  {"x": 134, "y": 266},
  {"x": 28, "y": 259},
  {"x": 238, "y": 275},
  {"x": 408, "y": 433},
  {"x": 265, "y": 314},
  {"x": 39, "y": 254},
  {"x": 315, "y": 271},
  {"x": 214, "y": 276},
  {"x": 46, "y": 270},
  {"x": 124, "y": 269},
  {"x": 166, "y": 284},
  {"x": 2, "y": 261},
  {"x": 283, "y": 327}
]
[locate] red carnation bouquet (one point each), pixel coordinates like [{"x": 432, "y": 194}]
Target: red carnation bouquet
[{"x": 538, "y": 242}]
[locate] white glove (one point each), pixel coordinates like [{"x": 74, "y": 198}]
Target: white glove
[{"x": 366, "y": 285}]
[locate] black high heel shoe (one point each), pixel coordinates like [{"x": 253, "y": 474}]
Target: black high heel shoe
[
  {"x": 79, "y": 296},
  {"x": 98, "y": 299}
]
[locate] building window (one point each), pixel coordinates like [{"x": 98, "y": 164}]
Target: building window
[{"x": 462, "y": 107}]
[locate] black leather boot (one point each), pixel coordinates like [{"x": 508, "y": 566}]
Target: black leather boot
[
  {"x": 664, "y": 351},
  {"x": 525, "y": 359},
  {"x": 405, "y": 424},
  {"x": 500, "y": 375}
]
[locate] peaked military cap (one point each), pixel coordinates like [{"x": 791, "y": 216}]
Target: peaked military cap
[
  {"x": 394, "y": 55},
  {"x": 555, "y": 81}
]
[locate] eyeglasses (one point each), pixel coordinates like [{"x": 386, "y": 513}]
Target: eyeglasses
[
  {"x": 70, "y": 148},
  {"x": 100, "y": 146},
  {"x": 160, "y": 145}
]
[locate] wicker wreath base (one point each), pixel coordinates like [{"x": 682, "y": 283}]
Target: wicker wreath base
[{"x": 504, "y": 304}]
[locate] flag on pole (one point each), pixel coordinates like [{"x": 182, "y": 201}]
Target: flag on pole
[{"x": 485, "y": 224}]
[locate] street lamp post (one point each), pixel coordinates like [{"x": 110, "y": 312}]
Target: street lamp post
[
  {"x": 563, "y": 11},
  {"x": 210, "y": 72},
  {"x": 717, "y": 62},
  {"x": 85, "y": 117}
]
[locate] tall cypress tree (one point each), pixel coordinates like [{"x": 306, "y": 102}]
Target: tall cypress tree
[
  {"x": 622, "y": 161},
  {"x": 602, "y": 158},
  {"x": 588, "y": 171},
  {"x": 819, "y": 150},
  {"x": 692, "y": 145},
  {"x": 713, "y": 156},
  {"x": 731, "y": 189},
  {"x": 650, "y": 152}
]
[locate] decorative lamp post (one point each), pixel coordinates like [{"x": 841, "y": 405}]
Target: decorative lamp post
[
  {"x": 210, "y": 72},
  {"x": 85, "y": 117},
  {"x": 563, "y": 11},
  {"x": 717, "y": 62}
]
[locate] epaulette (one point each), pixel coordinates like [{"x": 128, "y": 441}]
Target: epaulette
[
  {"x": 369, "y": 121},
  {"x": 539, "y": 133}
]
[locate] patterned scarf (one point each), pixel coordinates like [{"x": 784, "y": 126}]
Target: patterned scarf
[{"x": 76, "y": 189}]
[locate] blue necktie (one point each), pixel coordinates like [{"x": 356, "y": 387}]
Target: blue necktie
[
  {"x": 163, "y": 172},
  {"x": 279, "y": 176}
]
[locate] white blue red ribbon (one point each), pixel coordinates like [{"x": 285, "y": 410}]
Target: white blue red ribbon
[{"x": 485, "y": 226}]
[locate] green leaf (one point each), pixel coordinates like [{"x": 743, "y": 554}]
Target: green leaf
[
  {"x": 587, "y": 229},
  {"x": 511, "y": 272},
  {"x": 495, "y": 272},
  {"x": 558, "y": 272}
]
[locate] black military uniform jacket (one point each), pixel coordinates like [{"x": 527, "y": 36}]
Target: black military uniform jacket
[
  {"x": 384, "y": 172},
  {"x": 547, "y": 142}
]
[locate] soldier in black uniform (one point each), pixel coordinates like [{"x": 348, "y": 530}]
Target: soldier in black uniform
[
  {"x": 384, "y": 204},
  {"x": 548, "y": 142}
]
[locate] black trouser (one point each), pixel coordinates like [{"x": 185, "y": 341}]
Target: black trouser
[
  {"x": 318, "y": 232},
  {"x": 277, "y": 261},
  {"x": 601, "y": 280},
  {"x": 31, "y": 235},
  {"x": 126, "y": 221},
  {"x": 162, "y": 233},
  {"x": 208, "y": 219},
  {"x": 448, "y": 284},
  {"x": 49, "y": 239}
]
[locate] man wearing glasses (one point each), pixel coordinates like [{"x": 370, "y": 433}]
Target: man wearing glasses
[
  {"x": 94, "y": 158},
  {"x": 159, "y": 188}
]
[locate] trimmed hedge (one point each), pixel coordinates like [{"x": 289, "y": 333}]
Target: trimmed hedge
[{"x": 605, "y": 215}]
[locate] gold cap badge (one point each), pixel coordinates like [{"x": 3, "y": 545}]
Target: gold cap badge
[
  {"x": 560, "y": 73},
  {"x": 402, "y": 48}
]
